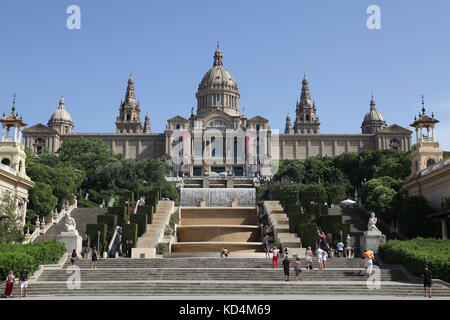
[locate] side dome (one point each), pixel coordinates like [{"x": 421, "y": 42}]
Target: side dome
[
  {"x": 60, "y": 119},
  {"x": 373, "y": 120}
]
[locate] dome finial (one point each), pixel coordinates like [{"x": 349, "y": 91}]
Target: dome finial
[
  {"x": 61, "y": 101},
  {"x": 423, "y": 104},
  {"x": 218, "y": 47},
  {"x": 14, "y": 103},
  {"x": 218, "y": 56}
]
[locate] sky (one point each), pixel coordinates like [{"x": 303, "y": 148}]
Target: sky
[{"x": 267, "y": 46}]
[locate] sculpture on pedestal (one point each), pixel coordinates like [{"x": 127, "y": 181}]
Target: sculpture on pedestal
[
  {"x": 70, "y": 225},
  {"x": 371, "y": 226}
]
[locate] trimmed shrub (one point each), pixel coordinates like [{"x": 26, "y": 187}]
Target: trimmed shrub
[
  {"x": 18, "y": 256},
  {"x": 126, "y": 196},
  {"x": 141, "y": 220},
  {"x": 297, "y": 219},
  {"x": 129, "y": 233},
  {"x": 148, "y": 210},
  {"x": 417, "y": 253},
  {"x": 111, "y": 221},
  {"x": 307, "y": 234},
  {"x": 152, "y": 197},
  {"x": 325, "y": 222},
  {"x": 92, "y": 230},
  {"x": 120, "y": 212}
]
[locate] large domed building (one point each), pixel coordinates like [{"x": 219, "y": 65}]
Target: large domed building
[{"x": 219, "y": 137}]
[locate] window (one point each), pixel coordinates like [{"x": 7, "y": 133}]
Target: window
[
  {"x": 6, "y": 161},
  {"x": 430, "y": 162}
]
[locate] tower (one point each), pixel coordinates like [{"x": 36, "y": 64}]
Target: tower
[
  {"x": 12, "y": 151},
  {"x": 129, "y": 119},
  {"x": 288, "y": 126},
  {"x": 147, "y": 128},
  {"x": 426, "y": 151},
  {"x": 60, "y": 119},
  {"x": 373, "y": 120},
  {"x": 306, "y": 120}
]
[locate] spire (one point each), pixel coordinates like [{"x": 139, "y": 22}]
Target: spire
[
  {"x": 288, "y": 125},
  {"x": 130, "y": 94},
  {"x": 61, "y": 102},
  {"x": 423, "y": 104},
  {"x": 14, "y": 103},
  {"x": 372, "y": 103},
  {"x": 218, "y": 56},
  {"x": 305, "y": 95},
  {"x": 147, "y": 124}
]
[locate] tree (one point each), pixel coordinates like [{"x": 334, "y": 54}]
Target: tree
[
  {"x": 42, "y": 198},
  {"x": 413, "y": 220},
  {"x": 10, "y": 228}
]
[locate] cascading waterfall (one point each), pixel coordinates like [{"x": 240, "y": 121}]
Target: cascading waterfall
[{"x": 218, "y": 197}]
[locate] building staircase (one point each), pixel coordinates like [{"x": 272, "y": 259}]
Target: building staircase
[
  {"x": 146, "y": 245},
  {"x": 279, "y": 221},
  {"x": 224, "y": 277}
]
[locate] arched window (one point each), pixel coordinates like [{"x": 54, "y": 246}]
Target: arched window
[
  {"x": 6, "y": 161},
  {"x": 307, "y": 117},
  {"x": 430, "y": 162}
]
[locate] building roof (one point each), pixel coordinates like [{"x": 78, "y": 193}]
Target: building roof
[{"x": 61, "y": 114}]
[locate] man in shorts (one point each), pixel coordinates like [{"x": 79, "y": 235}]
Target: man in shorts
[
  {"x": 426, "y": 281},
  {"x": 368, "y": 261},
  {"x": 24, "y": 282},
  {"x": 340, "y": 247},
  {"x": 319, "y": 254},
  {"x": 309, "y": 255}
]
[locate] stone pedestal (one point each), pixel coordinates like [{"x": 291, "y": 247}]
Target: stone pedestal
[
  {"x": 72, "y": 240},
  {"x": 234, "y": 204},
  {"x": 371, "y": 240}
]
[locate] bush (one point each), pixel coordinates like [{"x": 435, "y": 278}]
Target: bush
[
  {"x": 307, "y": 234},
  {"x": 18, "y": 256},
  {"x": 92, "y": 231},
  {"x": 296, "y": 220},
  {"x": 83, "y": 203},
  {"x": 129, "y": 233},
  {"x": 325, "y": 222},
  {"x": 111, "y": 221},
  {"x": 141, "y": 220},
  {"x": 148, "y": 210},
  {"x": 417, "y": 253},
  {"x": 120, "y": 212}
]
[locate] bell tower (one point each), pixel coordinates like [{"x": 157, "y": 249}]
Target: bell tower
[
  {"x": 12, "y": 151},
  {"x": 129, "y": 119},
  {"x": 426, "y": 152}
]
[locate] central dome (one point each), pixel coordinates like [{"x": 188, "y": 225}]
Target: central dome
[{"x": 218, "y": 90}]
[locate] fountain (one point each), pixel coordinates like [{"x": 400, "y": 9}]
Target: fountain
[{"x": 218, "y": 197}]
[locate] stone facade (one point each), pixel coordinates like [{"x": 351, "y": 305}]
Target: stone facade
[{"x": 218, "y": 137}]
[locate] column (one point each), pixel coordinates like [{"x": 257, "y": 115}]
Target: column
[
  {"x": 139, "y": 148},
  {"x": 125, "y": 152}
]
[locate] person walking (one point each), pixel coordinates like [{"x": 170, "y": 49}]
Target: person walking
[
  {"x": 222, "y": 252},
  {"x": 266, "y": 249},
  {"x": 9, "y": 284},
  {"x": 319, "y": 255},
  {"x": 286, "y": 251},
  {"x": 309, "y": 255},
  {"x": 74, "y": 257},
  {"x": 340, "y": 247},
  {"x": 427, "y": 282},
  {"x": 94, "y": 258},
  {"x": 368, "y": 261},
  {"x": 286, "y": 267},
  {"x": 275, "y": 255},
  {"x": 324, "y": 259},
  {"x": 298, "y": 268},
  {"x": 23, "y": 277}
]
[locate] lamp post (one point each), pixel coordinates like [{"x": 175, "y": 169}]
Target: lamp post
[{"x": 98, "y": 240}]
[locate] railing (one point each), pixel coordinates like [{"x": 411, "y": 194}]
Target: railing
[
  {"x": 8, "y": 169},
  {"x": 42, "y": 228}
]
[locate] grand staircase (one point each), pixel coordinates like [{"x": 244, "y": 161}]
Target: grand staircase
[
  {"x": 82, "y": 216},
  {"x": 222, "y": 277}
]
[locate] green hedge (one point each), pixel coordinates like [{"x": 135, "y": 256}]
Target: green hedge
[
  {"x": 152, "y": 197},
  {"x": 141, "y": 220},
  {"x": 111, "y": 221},
  {"x": 148, "y": 210},
  {"x": 417, "y": 253},
  {"x": 92, "y": 231},
  {"x": 325, "y": 222},
  {"x": 126, "y": 196},
  {"x": 120, "y": 212},
  {"x": 129, "y": 232},
  {"x": 297, "y": 219},
  {"x": 18, "y": 256},
  {"x": 335, "y": 229},
  {"x": 308, "y": 234}
]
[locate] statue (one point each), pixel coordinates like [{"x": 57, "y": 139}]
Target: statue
[
  {"x": 371, "y": 226},
  {"x": 348, "y": 241},
  {"x": 70, "y": 223}
]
